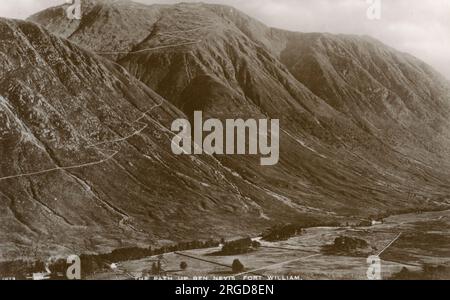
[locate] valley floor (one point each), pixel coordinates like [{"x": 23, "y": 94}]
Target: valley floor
[{"x": 424, "y": 241}]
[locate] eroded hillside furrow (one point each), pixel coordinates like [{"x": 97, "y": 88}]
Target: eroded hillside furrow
[{"x": 88, "y": 156}]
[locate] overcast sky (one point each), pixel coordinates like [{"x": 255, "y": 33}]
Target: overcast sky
[{"x": 420, "y": 27}]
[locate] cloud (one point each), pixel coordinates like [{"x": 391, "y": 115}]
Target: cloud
[{"x": 419, "y": 27}]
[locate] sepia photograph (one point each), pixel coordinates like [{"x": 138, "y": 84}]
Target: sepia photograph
[{"x": 253, "y": 141}]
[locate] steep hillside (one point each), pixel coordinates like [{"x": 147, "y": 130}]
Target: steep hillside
[
  {"x": 87, "y": 163},
  {"x": 83, "y": 127},
  {"x": 394, "y": 96},
  {"x": 364, "y": 128}
]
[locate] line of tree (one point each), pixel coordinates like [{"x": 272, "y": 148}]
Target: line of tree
[
  {"x": 282, "y": 232},
  {"x": 93, "y": 263},
  {"x": 345, "y": 245},
  {"x": 240, "y": 246}
]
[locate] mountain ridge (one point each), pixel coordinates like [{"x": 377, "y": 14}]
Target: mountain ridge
[
  {"x": 90, "y": 158},
  {"x": 364, "y": 128},
  {"x": 190, "y": 14}
]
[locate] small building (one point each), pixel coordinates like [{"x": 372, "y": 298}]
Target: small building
[
  {"x": 40, "y": 276},
  {"x": 374, "y": 222}
]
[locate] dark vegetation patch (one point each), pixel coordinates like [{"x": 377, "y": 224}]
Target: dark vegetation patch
[
  {"x": 282, "y": 232},
  {"x": 344, "y": 245},
  {"x": 94, "y": 263},
  {"x": 237, "y": 247},
  {"x": 428, "y": 272}
]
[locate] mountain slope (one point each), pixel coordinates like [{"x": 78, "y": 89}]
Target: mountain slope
[
  {"x": 364, "y": 126},
  {"x": 89, "y": 165}
]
